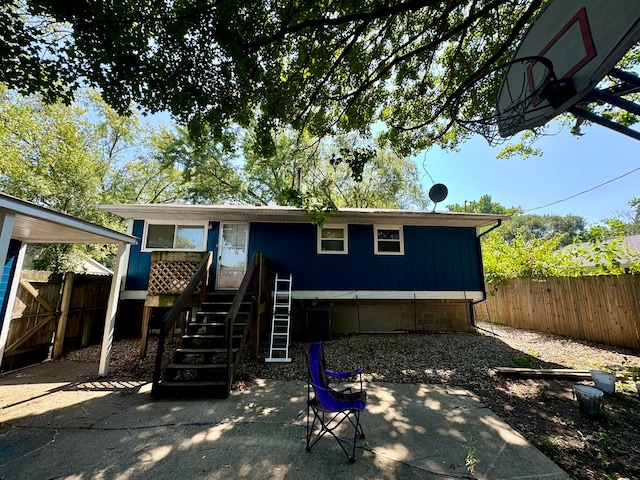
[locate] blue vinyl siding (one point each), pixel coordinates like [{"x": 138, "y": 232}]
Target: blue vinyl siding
[
  {"x": 8, "y": 270},
  {"x": 139, "y": 262},
  {"x": 436, "y": 258},
  {"x": 212, "y": 245}
]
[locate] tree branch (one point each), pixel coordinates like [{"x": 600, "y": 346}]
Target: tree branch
[{"x": 366, "y": 17}]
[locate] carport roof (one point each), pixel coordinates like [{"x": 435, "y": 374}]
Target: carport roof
[{"x": 36, "y": 224}]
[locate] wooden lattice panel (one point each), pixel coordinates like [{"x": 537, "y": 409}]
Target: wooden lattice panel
[{"x": 171, "y": 278}]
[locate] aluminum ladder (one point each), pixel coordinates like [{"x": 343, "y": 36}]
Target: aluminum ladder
[{"x": 281, "y": 321}]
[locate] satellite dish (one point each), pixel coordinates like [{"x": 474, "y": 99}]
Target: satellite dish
[{"x": 438, "y": 192}]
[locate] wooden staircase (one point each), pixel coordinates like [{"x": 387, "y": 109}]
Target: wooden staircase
[{"x": 204, "y": 364}]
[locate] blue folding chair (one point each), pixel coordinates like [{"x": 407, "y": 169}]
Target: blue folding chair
[{"x": 330, "y": 408}]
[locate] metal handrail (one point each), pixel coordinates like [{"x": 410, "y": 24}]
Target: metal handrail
[{"x": 170, "y": 318}]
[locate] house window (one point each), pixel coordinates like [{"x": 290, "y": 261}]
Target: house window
[
  {"x": 332, "y": 239},
  {"x": 160, "y": 236},
  {"x": 388, "y": 240}
]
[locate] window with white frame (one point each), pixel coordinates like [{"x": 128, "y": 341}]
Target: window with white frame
[
  {"x": 332, "y": 239},
  {"x": 167, "y": 236},
  {"x": 388, "y": 240}
]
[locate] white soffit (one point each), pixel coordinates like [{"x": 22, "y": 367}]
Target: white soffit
[
  {"x": 271, "y": 214},
  {"x": 36, "y": 224}
]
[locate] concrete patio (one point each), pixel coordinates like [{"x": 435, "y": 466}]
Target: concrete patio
[{"x": 57, "y": 423}]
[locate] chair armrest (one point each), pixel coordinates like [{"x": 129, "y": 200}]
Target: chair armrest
[
  {"x": 329, "y": 389},
  {"x": 341, "y": 397},
  {"x": 320, "y": 388}
]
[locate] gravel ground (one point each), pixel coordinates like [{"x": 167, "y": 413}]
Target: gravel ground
[
  {"x": 458, "y": 359},
  {"x": 606, "y": 447}
]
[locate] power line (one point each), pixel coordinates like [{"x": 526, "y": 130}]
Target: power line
[
  {"x": 583, "y": 192},
  {"x": 424, "y": 165}
]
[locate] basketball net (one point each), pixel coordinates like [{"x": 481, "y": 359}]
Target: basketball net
[{"x": 508, "y": 95}]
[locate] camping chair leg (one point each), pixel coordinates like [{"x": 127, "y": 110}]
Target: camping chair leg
[
  {"x": 310, "y": 427},
  {"x": 325, "y": 428},
  {"x": 358, "y": 428},
  {"x": 357, "y": 434}
]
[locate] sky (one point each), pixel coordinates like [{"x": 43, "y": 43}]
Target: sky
[{"x": 569, "y": 165}]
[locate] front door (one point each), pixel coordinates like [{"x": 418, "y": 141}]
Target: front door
[{"x": 232, "y": 255}]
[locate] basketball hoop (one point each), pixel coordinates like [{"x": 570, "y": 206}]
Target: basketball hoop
[
  {"x": 563, "y": 56},
  {"x": 510, "y": 96}
]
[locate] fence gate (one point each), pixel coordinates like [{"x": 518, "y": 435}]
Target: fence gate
[{"x": 53, "y": 312}]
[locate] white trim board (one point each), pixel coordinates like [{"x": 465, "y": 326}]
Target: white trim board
[
  {"x": 465, "y": 295},
  {"x": 133, "y": 295}
]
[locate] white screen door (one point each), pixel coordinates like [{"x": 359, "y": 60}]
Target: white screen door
[{"x": 232, "y": 255}]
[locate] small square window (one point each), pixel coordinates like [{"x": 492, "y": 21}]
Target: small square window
[
  {"x": 388, "y": 240},
  {"x": 332, "y": 239},
  {"x": 175, "y": 237}
]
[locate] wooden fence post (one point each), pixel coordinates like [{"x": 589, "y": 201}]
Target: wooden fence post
[
  {"x": 64, "y": 315},
  {"x": 634, "y": 296},
  {"x": 86, "y": 329}
]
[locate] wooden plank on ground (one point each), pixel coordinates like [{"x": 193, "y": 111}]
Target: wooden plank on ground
[
  {"x": 545, "y": 373},
  {"x": 568, "y": 373}
]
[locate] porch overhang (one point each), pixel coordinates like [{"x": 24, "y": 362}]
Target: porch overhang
[
  {"x": 35, "y": 224},
  {"x": 29, "y": 223}
]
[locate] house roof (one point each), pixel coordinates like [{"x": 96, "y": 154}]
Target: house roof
[
  {"x": 36, "y": 224},
  {"x": 82, "y": 263},
  {"x": 632, "y": 242},
  {"x": 278, "y": 214},
  {"x": 632, "y": 254}
]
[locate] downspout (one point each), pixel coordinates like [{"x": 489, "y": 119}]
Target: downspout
[{"x": 484, "y": 290}]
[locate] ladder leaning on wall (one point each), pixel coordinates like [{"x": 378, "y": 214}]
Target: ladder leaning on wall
[{"x": 281, "y": 321}]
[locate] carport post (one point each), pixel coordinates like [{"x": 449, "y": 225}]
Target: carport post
[
  {"x": 10, "y": 295},
  {"x": 110, "y": 320},
  {"x": 6, "y": 229}
]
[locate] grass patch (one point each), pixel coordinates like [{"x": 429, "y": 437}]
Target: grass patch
[
  {"x": 527, "y": 360},
  {"x": 471, "y": 460}
]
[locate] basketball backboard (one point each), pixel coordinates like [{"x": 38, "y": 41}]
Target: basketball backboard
[{"x": 583, "y": 40}]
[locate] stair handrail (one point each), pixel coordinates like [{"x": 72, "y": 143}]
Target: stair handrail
[
  {"x": 233, "y": 312},
  {"x": 200, "y": 277}
]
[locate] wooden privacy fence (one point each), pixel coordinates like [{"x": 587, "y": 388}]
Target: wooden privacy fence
[
  {"x": 53, "y": 311},
  {"x": 601, "y": 309}
]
